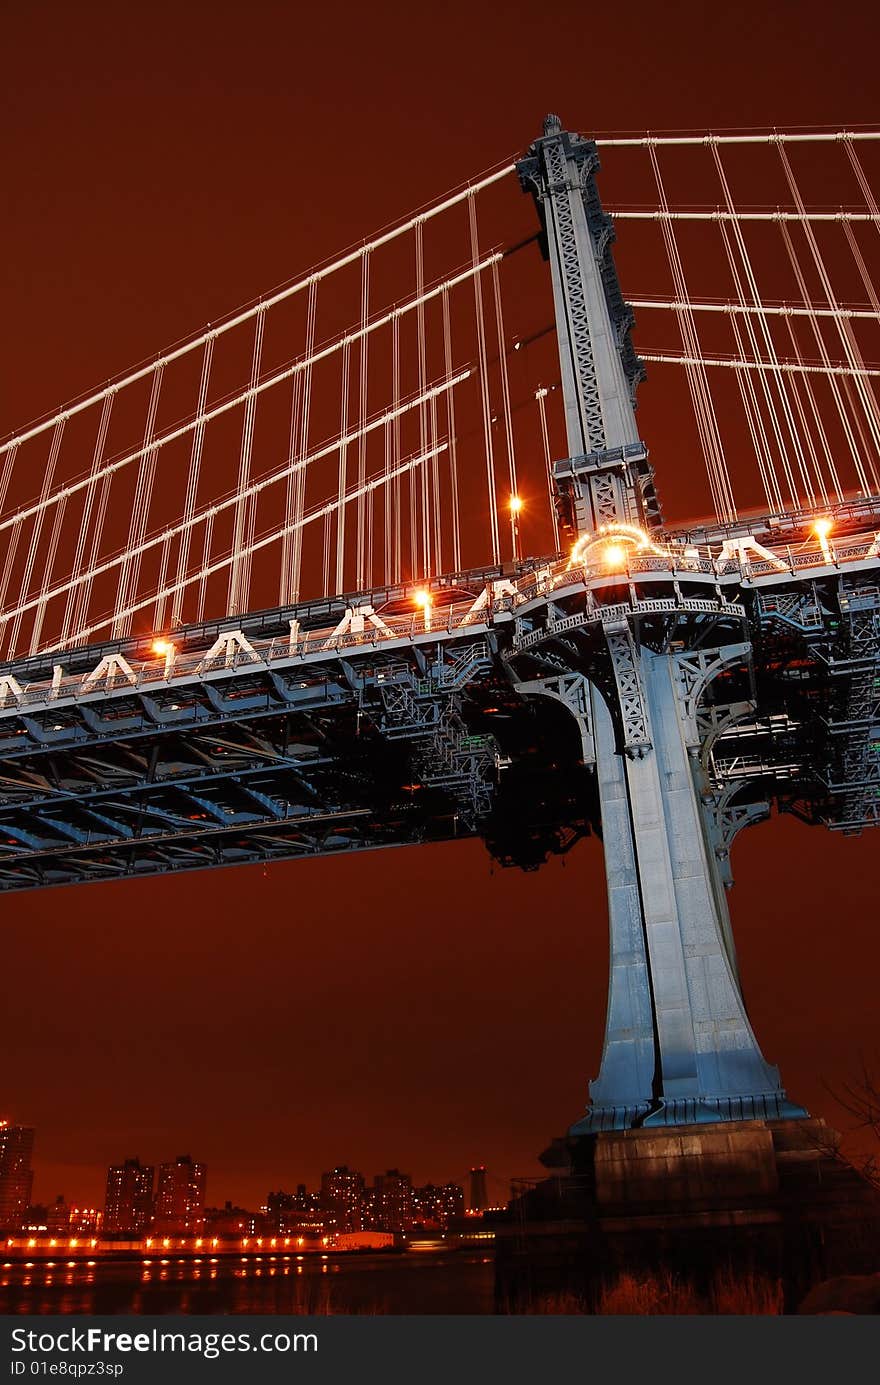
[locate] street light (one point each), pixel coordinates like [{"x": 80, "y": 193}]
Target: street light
[
  {"x": 165, "y": 649},
  {"x": 516, "y": 506},
  {"x": 423, "y": 598},
  {"x": 822, "y": 528}
]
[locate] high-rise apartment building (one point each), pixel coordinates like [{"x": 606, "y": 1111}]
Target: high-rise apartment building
[
  {"x": 128, "y": 1206},
  {"x": 180, "y": 1197},
  {"x": 16, "y": 1174},
  {"x": 437, "y": 1205},
  {"x": 393, "y": 1201},
  {"x": 342, "y": 1199}
]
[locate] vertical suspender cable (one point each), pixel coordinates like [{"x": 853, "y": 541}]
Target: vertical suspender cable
[
  {"x": 450, "y": 431},
  {"x": 9, "y": 559},
  {"x": 395, "y": 438},
  {"x": 85, "y": 522},
  {"x": 388, "y": 443},
  {"x": 84, "y": 596},
  {"x": 422, "y": 494},
  {"x": 287, "y": 540},
  {"x": 805, "y": 430},
  {"x": 435, "y": 489},
  {"x": 256, "y": 487},
  {"x": 48, "y": 478},
  {"x": 325, "y": 563},
  {"x": 206, "y": 560},
  {"x": 819, "y": 338},
  {"x": 541, "y": 396},
  {"x": 161, "y": 598},
  {"x": 749, "y": 388},
  {"x": 362, "y": 420},
  {"x": 873, "y": 298},
  {"x": 866, "y": 449},
  {"x": 848, "y": 341},
  {"x": 484, "y": 387},
  {"x": 8, "y": 565},
  {"x": 505, "y": 397},
  {"x": 371, "y": 497},
  {"x": 755, "y": 420},
  {"x": 343, "y": 448},
  {"x": 259, "y": 545},
  {"x": 299, "y": 501},
  {"x": 769, "y": 345},
  {"x": 192, "y": 481},
  {"x": 240, "y": 571},
  {"x": 143, "y": 492},
  {"x": 697, "y": 379},
  {"x": 48, "y": 567}
]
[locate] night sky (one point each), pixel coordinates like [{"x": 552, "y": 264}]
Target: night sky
[{"x": 163, "y": 163}]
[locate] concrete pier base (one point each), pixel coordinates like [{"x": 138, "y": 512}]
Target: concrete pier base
[{"x": 771, "y": 1199}]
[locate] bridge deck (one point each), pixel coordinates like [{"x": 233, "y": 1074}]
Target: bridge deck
[{"x": 367, "y": 721}]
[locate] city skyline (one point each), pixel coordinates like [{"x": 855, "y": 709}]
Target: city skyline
[
  {"x": 170, "y": 1201},
  {"x": 132, "y": 1167}
]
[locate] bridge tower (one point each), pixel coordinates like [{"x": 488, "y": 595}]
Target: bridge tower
[{"x": 679, "y": 1048}]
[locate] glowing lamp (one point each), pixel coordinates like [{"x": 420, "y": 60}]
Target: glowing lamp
[
  {"x": 516, "y": 504},
  {"x": 162, "y": 647},
  {"x": 822, "y": 528},
  {"x": 614, "y": 556},
  {"x": 423, "y": 599}
]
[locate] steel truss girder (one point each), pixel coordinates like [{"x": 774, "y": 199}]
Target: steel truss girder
[
  {"x": 631, "y": 707},
  {"x": 243, "y": 756},
  {"x": 310, "y": 835}
]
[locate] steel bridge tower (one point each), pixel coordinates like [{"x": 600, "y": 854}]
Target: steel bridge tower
[{"x": 678, "y": 1046}]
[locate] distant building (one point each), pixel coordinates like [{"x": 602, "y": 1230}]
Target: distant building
[
  {"x": 342, "y": 1199},
  {"x": 393, "y": 1201},
  {"x": 58, "y": 1217},
  {"x": 86, "y": 1221},
  {"x": 436, "y": 1205},
  {"x": 128, "y": 1205},
  {"x": 230, "y": 1220},
  {"x": 478, "y": 1199},
  {"x": 180, "y": 1197},
  {"x": 16, "y": 1174},
  {"x": 291, "y": 1214},
  {"x": 36, "y": 1217}
]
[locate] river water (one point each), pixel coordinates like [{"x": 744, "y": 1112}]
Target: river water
[{"x": 407, "y": 1282}]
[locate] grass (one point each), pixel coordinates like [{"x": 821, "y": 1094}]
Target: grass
[{"x": 748, "y": 1294}]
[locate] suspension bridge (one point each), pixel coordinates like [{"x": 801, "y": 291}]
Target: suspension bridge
[{"x": 379, "y": 559}]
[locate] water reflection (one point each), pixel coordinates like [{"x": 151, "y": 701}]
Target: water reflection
[{"x": 446, "y": 1282}]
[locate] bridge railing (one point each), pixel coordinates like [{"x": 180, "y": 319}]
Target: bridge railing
[
  {"x": 117, "y": 672},
  {"x": 704, "y": 562}
]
